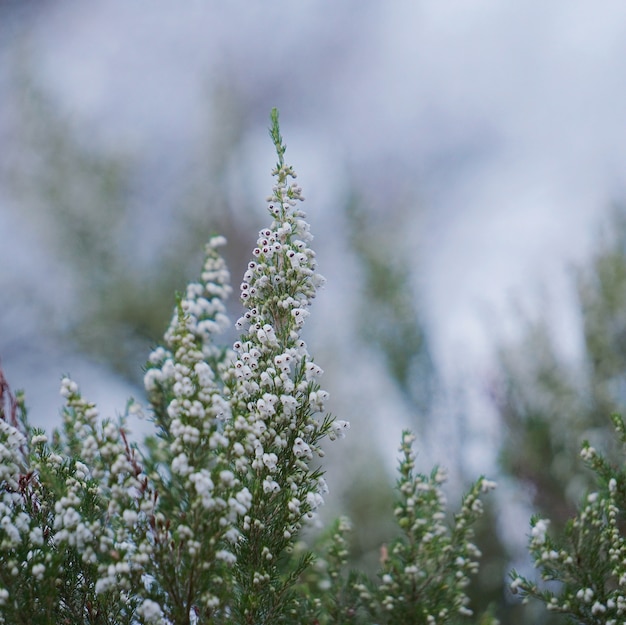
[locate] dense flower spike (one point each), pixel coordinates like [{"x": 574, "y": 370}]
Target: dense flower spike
[
  {"x": 273, "y": 381},
  {"x": 275, "y": 397},
  {"x": 199, "y": 499}
]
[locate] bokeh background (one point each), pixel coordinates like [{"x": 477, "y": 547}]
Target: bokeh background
[{"x": 463, "y": 164}]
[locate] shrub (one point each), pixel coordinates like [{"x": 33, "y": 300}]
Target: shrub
[{"x": 203, "y": 522}]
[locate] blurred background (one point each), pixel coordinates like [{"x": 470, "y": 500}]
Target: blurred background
[{"x": 463, "y": 169}]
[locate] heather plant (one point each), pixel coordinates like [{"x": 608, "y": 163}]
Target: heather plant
[
  {"x": 587, "y": 560},
  {"x": 203, "y": 522}
]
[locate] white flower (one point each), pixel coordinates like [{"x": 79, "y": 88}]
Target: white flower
[
  {"x": 38, "y": 570},
  {"x": 158, "y": 356},
  {"x": 22, "y": 521},
  {"x": 270, "y": 461},
  {"x": 322, "y": 487},
  {"x": 227, "y": 478},
  {"x": 587, "y": 453},
  {"x": 151, "y": 611},
  {"x": 226, "y": 556},
  {"x": 299, "y": 315},
  {"x": 598, "y": 608},
  {"x": 36, "y": 536},
  {"x": 180, "y": 464},
  {"x": 38, "y": 438},
  {"x": 312, "y": 371},
  {"x": 70, "y": 518},
  {"x": 300, "y": 448},
  {"x": 104, "y": 583},
  {"x": 82, "y": 470},
  {"x": 151, "y": 380},
  {"x": 217, "y": 241},
  {"x": 289, "y": 403},
  {"x": 240, "y": 503},
  {"x": 270, "y": 486},
  {"x": 13, "y": 535},
  {"x": 244, "y": 498},
  {"x": 202, "y": 481},
  {"x": 294, "y": 505},
  {"x": 68, "y": 387},
  {"x": 538, "y": 532},
  {"x": 339, "y": 430},
  {"x": 130, "y": 517},
  {"x": 315, "y": 500},
  {"x": 317, "y": 399},
  {"x": 487, "y": 485}
]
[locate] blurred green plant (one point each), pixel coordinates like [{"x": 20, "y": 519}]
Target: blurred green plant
[
  {"x": 389, "y": 318},
  {"x": 549, "y": 404},
  {"x": 587, "y": 558},
  {"x": 82, "y": 199}
]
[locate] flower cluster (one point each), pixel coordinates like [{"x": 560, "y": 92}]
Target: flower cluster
[
  {"x": 589, "y": 559},
  {"x": 424, "y": 573},
  {"x": 58, "y": 503},
  {"x": 105, "y": 504}
]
